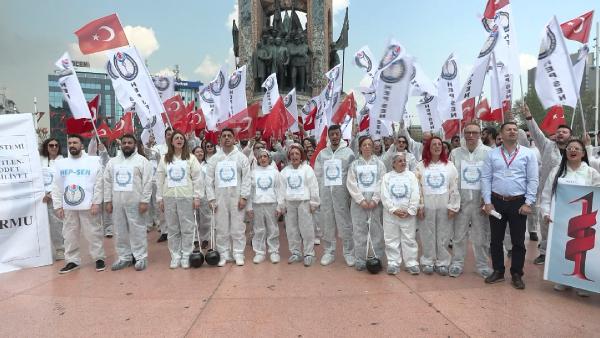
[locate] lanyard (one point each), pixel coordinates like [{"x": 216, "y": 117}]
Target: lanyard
[{"x": 512, "y": 158}]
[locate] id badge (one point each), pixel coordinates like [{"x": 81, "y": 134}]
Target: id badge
[{"x": 508, "y": 173}]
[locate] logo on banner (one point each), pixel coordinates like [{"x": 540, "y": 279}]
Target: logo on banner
[
  {"x": 65, "y": 63},
  {"x": 436, "y": 182},
  {"x": 471, "y": 175},
  {"x": 125, "y": 66},
  {"x": 269, "y": 83},
  {"x": 111, "y": 71},
  {"x": 548, "y": 45},
  {"x": 204, "y": 95},
  {"x": 161, "y": 83},
  {"x": 362, "y": 60},
  {"x": 176, "y": 174},
  {"x": 391, "y": 54},
  {"x": 335, "y": 73},
  {"x": 235, "y": 79},
  {"x": 366, "y": 179},
  {"x": 74, "y": 195},
  {"x": 123, "y": 178},
  {"x": 264, "y": 183},
  {"x": 449, "y": 70},
  {"x": 217, "y": 86},
  {"x": 489, "y": 44},
  {"x": 395, "y": 72},
  {"x": 584, "y": 237},
  {"x": 399, "y": 191},
  {"x": 331, "y": 174},
  {"x": 227, "y": 176},
  {"x": 287, "y": 100},
  {"x": 501, "y": 17},
  {"x": 294, "y": 182},
  {"x": 150, "y": 123},
  {"x": 309, "y": 106},
  {"x": 427, "y": 98}
]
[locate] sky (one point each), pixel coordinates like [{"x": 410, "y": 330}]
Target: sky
[{"x": 196, "y": 35}]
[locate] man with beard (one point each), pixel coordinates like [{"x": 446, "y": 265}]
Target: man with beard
[
  {"x": 551, "y": 152},
  {"x": 77, "y": 197},
  {"x": 127, "y": 192}
]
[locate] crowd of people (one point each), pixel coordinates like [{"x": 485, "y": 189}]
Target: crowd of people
[{"x": 390, "y": 199}]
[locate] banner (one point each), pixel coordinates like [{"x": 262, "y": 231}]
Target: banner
[
  {"x": 448, "y": 85},
  {"x": 420, "y": 83},
  {"x": 474, "y": 84},
  {"x": 24, "y": 232},
  {"x": 208, "y": 107},
  {"x": 573, "y": 252},
  {"x": 271, "y": 95},
  {"x": 363, "y": 59},
  {"x": 236, "y": 92},
  {"x": 101, "y": 34},
  {"x": 165, "y": 86},
  {"x": 69, "y": 84},
  {"x": 291, "y": 104},
  {"x": 428, "y": 114}
]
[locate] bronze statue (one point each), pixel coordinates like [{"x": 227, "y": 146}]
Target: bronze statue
[
  {"x": 299, "y": 63},
  {"x": 281, "y": 58},
  {"x": 264, "y": 57}
]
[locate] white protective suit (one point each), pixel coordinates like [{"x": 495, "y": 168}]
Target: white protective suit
[
  {"x": 266, "y": 198},
  {"x": 228, "y": 180},
  {"x": 153, "y": 215},
  {"x": 439, "y": 193},
  {"x": 470, "y": 209},
  {"x": 127, "y": 183},
  {"x": 93, "y": 150},
  {"x": 161, "y": 149},
  {"x": 400, "y": 191},
  {"x": 178, "y": 183},
  {"x": 203, "y": 214},
  {"x": 78, "y": 185},
  {"x": 335, "y": 199},
  {"x": 55, "y": 223},
  {"x": 411, "y": 161},
  {"x": 364, "y": 184},
  {"x": 301, "y": 192}
]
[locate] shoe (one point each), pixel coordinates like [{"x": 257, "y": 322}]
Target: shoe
[
  {"x": 108, "y": 235},
  {"x": 442, "y": 270},
  {"x": 204, "y": 245},
  {"x": 327, "y": 259},
  {"x": 360, "y": 266},
  {"x": 59, "y": 255},
  {"x": 196, "y": 245},
  {"x": 100, "y": 266},
  {"x": 68, "y": 268},
  {"x": 294, "y": 259},
  {"x": 141, "y": 264},
  {"x": 428, "y": 269},
  {"x": 350, "y": 260},
  {"x": 509, "y": 254},
  {"x": 258, "y": 258},
  {"x": 540, "y": 260},
  {"x": 308, "y": 260},
  {"x": 275, "y": 258},
  {"x": 561, "y": 287},
  {"x": 222, "y": 261},
  {"x": 517, "y": 282},
  {"x": 162, "y": 238},
  {"x": 414, "y": 270},
  {"x": 174, "y": 263},
  {"x": 185, "y": 262},
  {"x": 533, "y": 237},
  {"x": 583, "y": 293},
  {"x": 120, "y": 264},
  {"x": 485, "y": 273},
  {"x": 455, "y": 271},
  {"x": 495, "y": 277},
  {"x": 239, "y": 260},
  {"x": 317, "y": 241},
  {"x": 393, "y": 270}
]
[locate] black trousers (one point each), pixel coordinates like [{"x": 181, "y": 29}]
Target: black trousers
[{"x": 516, "y": 223}]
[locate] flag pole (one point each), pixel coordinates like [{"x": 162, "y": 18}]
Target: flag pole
[
  {"x": 597, "y": 77},
  {"x": 497, "y": 84},
  {"x": 573, "y": 119}
]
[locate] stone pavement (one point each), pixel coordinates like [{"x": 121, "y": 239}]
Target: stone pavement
[{"x": 283, "y": 300}]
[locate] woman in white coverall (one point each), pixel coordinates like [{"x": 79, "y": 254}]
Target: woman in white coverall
[
  {"x": 301, "y": 200},
  {"x": 573, "y": 169},
  {"x": 203, "y": 213},
  {"x": 265, "y": 205},
  {"x": 364, "y": 184},
  {"x": 179, "y": 181},
  {"x": 400, "y": 198},
  {"x": 440, "y": 201},
  {"x": 50, "y": 152}
]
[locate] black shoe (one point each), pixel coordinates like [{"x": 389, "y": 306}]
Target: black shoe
[
  {"x": 540, "y": 260},
  {"x": 517, "y": 281},
  {"x": 100, "y": 266},
  {"x": 68, "y": 268},
  {"x": 162, "y": 238},
  {"x": 533, "y": 237},
  {"x": 495, "y": 277},
  {"x": 509, "y": 254},
  {"x": 108, "y": 235},
  {"x": 204, "y": 245}
]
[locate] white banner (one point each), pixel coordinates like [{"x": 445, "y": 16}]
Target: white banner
[
  {"x": 364, "y": 59},
  {"x": 219, "y": 94},
  {"x": 474, "y": 84},
  {"x": 209, "y": 108},
  {"x": 330, "y": 96},
  {"x": 236, "y": 92},
  {"x": 72, "y": 92},
  {"x": 165, "y": 85},
  {"x": 420, "y": 82},
  {"x": 24, "y": 232},
  {"x": 428, "y": 114},
  {"x": 579, "y": 66},
  {"x": 554, "y": 79},
  {"x": 291, "y": 104},
  {"x": 505, "y": 24},
  {"x": 448, "y": 87},
  {"x": 501, "y": 86},
  {"x": 272, "y": 94}
]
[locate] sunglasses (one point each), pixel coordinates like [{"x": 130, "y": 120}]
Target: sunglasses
[{"x": 53, "y": 145}]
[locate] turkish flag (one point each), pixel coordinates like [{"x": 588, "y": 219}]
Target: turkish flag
[
  {"x": 492, "y": 6},
  {"x": 78, "y": 126},
  {"x": 485, "y": 113},
  {"x": 347, "y": 107},
  {"x": 468, "y": 108},
  {"x": 309, "y": 121},
  {"x": 175, "y": 109},
  {"x": 364, "y": 123},
  {"x": 101, "y": 34},
  {"x": 244, "y": 122},
  {"x": 103, "y": 132},
  {"x": 276, "y": 122},
  {"x": 199, "y": 122},
  {"x": 93, "y": 106},
  {"x": 124, "y": 126},
  {"x": 554, "y": 118},
  {"x": 578, "y": 29},
  {"x": 190, "y": 106},
  {"x": 451, "y": 128},
  {"x": 320, "y": 146}
]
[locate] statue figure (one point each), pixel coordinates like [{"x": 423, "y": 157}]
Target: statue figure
[
  {"x": 281, "y": 58},
  {"x": 334, "y": 58},
  {"x": 235, "y": 32},
  {"x": 287, "y": 24},
  {"x": 263, "y": 60},
  {"x": 299, "y": 61}
]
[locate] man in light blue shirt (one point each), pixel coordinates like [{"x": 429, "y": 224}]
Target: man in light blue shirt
[{"x": 509, "y": 182}]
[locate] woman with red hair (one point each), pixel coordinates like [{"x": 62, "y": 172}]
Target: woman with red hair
[{"x": 440, "y": 201}]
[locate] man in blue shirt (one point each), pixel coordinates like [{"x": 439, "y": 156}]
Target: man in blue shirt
[{"x": 509, "y": 183}]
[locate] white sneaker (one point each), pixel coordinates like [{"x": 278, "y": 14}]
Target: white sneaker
[
  {"x": 275, "y": 258},
  {"x": 185, "y": 263},
  {"x": 327, "y": 259},
  {"x": 317, "y": 241},
  {"x": 308, "y": 260},
  {"x": 350, "y": 260},
  {"x": 258, "y": 258},
  {"x": 222, "y": 261},
  {"x": 239, "y": 260},
  {"x": 174, "y": 263}
]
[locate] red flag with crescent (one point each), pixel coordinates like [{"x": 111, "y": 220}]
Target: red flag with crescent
[
  {"x": 123, "y": 126},
  {"x": 578, "y": 29},
  {"x": 175, "y": 109},
  {"x": 243, "y": 123},
  {"x": 101, "y": 34},
  {"x": 554, "y": 118}
]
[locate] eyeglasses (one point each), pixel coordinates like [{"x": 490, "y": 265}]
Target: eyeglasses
[
  {"x": 209, "y": 146},
  {"x": 53, "y": 145},
  {"x": 573, "y": 149},
  {"x": 471, "y": 132}
]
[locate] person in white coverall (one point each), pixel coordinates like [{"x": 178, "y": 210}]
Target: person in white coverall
[
  {"x": 400, "y": 146},
  {"x": 440, "y": 201},
  {"x": 77, "y": 200},
  {"x": 162, "y": 151},
  {"x": 301, "y": 200},
  {"x": 400, "y": 198},
  {"x": 203, "y": 214},
  {"x": 416, "y": 148},
  {"x": 331, "y": 169},
  {"x": 49, "y": 153},
  {"x": 227, "y": 190},
  {"x": 99, "y": 149},
  {"x": 468, "y": 160},
  {"x": 127, "y": 191},
  {"x": 265, "y": 205},
  {"x": 153, "y": 215},
  {"x": 179, "y": 182},
  {"x": 364, "y": 186}
]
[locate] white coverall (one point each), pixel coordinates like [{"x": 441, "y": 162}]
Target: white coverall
[
  {"x": 203, "y": 214},
  {"x": 400, "y": 191},
  {"x": 364, "y": 184},
  {"x": 179, "y": 182},
  {"x": 439, "y": 193},
  {"x": 301, "y": 192},
  {"x": 78, "y": 185},
  {"x": 93, "y": 150},
  {"x": 335, "y": 199},
  {"x": 127, "y": 183},
  {"x": 470, "y": 209},
  {"x": 153, "y": 214},
  {"x": 55, "y": 223},
  {"x": 266, "y": 198},
  {"x": 228, "y": 180},
  {"x": 161, "y": 149}
]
